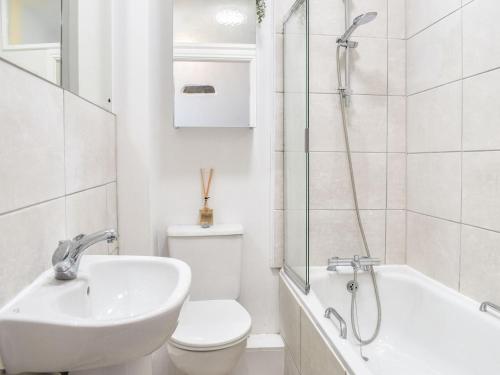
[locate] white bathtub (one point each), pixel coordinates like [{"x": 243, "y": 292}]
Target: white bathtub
[{"x": 427, "y": 328}]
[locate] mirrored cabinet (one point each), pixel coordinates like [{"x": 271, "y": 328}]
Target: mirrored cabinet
[{"x": 214, "y": 63}]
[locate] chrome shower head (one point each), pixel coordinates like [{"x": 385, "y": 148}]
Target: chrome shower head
[{"x": 358, "y": 21}]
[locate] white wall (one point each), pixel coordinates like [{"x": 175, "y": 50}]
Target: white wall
[{"x": 158, "y": 166}]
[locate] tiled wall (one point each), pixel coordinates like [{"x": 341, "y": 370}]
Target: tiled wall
[
  {"x": 453, "y": 196},
  {"x": 377, "y": 132},
  {"x": 306, "y": 352},
  {"x": 57, "y": 172}
]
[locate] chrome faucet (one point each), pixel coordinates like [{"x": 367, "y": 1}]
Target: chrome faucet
[
  {"x": 66, "y": 258},
  {"x": 357, "y": 263}
]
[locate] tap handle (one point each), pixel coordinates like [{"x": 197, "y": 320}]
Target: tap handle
[{"x": 62, "y": 252}]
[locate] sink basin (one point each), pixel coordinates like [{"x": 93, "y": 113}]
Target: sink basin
[{"x": 120, "y": 308}]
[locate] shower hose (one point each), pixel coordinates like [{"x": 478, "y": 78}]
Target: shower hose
[{"x": 355, "y": 328}]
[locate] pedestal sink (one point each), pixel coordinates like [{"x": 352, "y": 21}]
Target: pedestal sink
[{"x": 119, "y": 309}]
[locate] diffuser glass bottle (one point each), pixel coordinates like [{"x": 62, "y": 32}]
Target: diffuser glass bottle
[{"x": 206, "y": 214}]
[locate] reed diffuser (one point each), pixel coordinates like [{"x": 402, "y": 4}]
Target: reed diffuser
[{"x": 206, "y": 213}]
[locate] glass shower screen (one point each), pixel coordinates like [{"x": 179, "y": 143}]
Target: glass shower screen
[{"x": 296, "y": 158}]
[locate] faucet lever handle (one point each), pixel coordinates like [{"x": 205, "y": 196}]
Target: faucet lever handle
[{"x": 62, "y": 252}]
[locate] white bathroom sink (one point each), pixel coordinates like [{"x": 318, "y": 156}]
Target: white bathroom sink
[{"x": 119, "y": 308}]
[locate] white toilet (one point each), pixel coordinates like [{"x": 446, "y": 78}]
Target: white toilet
[{"x": 213, "y": 327}]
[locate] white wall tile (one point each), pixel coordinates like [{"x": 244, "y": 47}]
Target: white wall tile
[
  {"x": 32, "y": 141},
  {"x": 481, "y": 187},
  {"x": 397, "y": 67},
  {"x": 396, "y": 19},
  {"x": 481, "y": 112},
  {"x": 434, "y": 56},
  {"x": 29, "y": 237},
  {"x": 434, "y": 184},
  {"x": 336, "y": 233},
  {"x": 396, "y": 181},
  {"x": 326, "y": 17},
  {"x": 87, "y": 213},
  {"x": 396, "y": 123},
  {"x": 368, "y": 66},
  {"x": 281, "y": 9},
  {"x": 481, "y": 31},
  {"x": 422, "y": 13},
  {"x": 433, "y": 247},
  {"x": 480, "y": 264},
  {"x": 367, "y": 123},
  {"x": 376, "y": 28},
  {"x": 330, "y": 185},
  {"x": 435, "y": 119},
  {"x": 89, "y": 144},
  {"x": 396, "y": 237}
]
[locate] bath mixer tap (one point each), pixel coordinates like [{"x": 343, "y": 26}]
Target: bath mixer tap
[
  {"x": 66, "y": 258},
  {"x": 357, "y": 263}
]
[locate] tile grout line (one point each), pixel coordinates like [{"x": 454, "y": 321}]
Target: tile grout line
[
  {"x": 454, "y": 221},
  {"x": 33, "y": 205},
  {"x": 387, "y": 139}
]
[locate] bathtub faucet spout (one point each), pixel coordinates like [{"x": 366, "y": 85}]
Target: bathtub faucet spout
[{"x": 357, "y": 263}]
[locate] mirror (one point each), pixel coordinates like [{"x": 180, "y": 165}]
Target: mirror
[
  {"x": 76, "y": 56},
  {"x": 214, "y": 63}
]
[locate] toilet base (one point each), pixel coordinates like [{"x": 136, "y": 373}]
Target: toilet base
[{"x": 215, "y": 362}]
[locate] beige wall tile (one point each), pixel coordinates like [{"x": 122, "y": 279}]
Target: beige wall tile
[
  {"x": 322, "y": 64},
  {"x": 32, "y": 141},
  {"x": 433, "y": 247},
  {"x": 422, "y": 13},
  {"x": 397, "y": 67},
  {"x": 326, "y": 17},
  {"x": 480, "y": 264},
  {"x": 290, "y": 367},
  {"x": 481, "y": 112},
  {"x": 316, "y": 356},
  {"x": 330, "y": 185},
  {"x": 278, "y": 254},
  {"x": 434, "y": 184},
  {"x": 434, "y": 56},
  {"x": 396, "y": 237},
  {"x": 278, "y": 180},
  {"x": 89, "y": 144},
  {"x": 369, "y": 67},
  {"x": 481, "y": 187},
  {"x": 290, "y": 322},
  {"x": 396, "y": 19},
  {"x": 278, "y": 130},
  {"x": 396, "y": 124},
  {"x": 29, "y": 237},
  {"x": 112, "y": 215},
  {"x": 481, "y": 31},
  {"x": 367, "y": 123},
  {"x": 336, "y": 233},
  {"x": 278, "y": 40},
  {"x": 396, "y": 181},
  {"x": 87, "y": 213},
  {"x": 435, "y": 119}
]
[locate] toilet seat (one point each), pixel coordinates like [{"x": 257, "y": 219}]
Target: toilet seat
[{"x": 211, "y": 325}]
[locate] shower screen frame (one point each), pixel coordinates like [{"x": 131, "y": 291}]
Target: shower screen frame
[{"x": 296, "y": 144}]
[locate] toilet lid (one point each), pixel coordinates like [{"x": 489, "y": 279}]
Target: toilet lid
[{"x": 211, "y": 325}]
